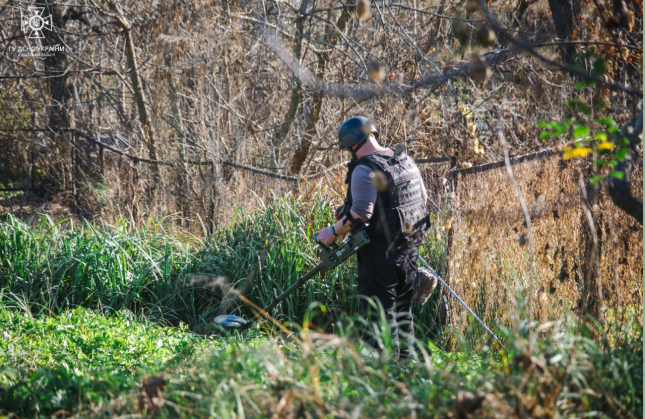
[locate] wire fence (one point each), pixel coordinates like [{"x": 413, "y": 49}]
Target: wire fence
[{"x": 582, "y": 253}]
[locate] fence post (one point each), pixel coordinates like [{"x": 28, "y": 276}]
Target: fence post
[
  {"x": 452, "y": 184},
  {"x": 211, "y": 199},
  {"x": 102, "y": 162}
]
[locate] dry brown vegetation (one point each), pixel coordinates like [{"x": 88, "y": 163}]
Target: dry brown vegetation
[
  {"x": 148, "y": 99},
  {"x": 580, "y": 254}
]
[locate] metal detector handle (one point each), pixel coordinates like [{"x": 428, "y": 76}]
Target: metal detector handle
[
  {"x": 333, "y": 247},
  {"x": 331, "y": 258},
  {"x": 277, "y": 300}
]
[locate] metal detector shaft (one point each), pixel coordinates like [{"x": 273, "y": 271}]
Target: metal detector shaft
[
  {"x": 460, "y": 300},
  {"x": 330, "y": 257},
  {"x": 236, "y": 322},
  {"x": 306, "y": 277}
]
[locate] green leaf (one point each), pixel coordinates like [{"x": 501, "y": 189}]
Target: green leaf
[
  {"x": 600, "y": 105},
  {"x": 600, "y": 135},
  {"x": 598, "y": 68},
  {"x": 601, "y": 162},
  {"x": 543, "y": 124},
  {"x": 584, "y": 109},
  {"x": 595, "y": 179},
  {"x": 613, "y": 163},
  {"x": 545, "y": 134},
  {"x": 580, "y": 85},
  {"x": 608, "y": 122},
  {"x": 580, "y": 132},
  {"x": 621, "y": 154},
  {"x": 558, "y": 129},
  {"x": 617, "y": 175}
]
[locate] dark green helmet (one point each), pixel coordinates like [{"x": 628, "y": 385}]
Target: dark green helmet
[{"x": 354, "y": 130}]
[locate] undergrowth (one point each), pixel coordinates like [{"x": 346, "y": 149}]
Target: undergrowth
[
  {"x": 153, "y": 271},
  {"x": 52, "y": 363},
  {"x": 104, "y": 321},
  {"x": 84, "y": 364}
]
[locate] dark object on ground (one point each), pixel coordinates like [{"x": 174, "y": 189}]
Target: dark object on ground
[{"x": 150, "y": 393}]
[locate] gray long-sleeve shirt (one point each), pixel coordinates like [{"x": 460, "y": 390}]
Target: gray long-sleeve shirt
[{"x": 364, "y": 191}]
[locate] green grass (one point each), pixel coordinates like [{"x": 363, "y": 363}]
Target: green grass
[
  {"x": 47, "y": 363},
  {"x": 87, "y": 311},
  {"x": 83, "y": 362},
  {"x": 51, "y": 267}
]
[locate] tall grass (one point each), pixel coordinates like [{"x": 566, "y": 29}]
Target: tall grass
[
  {"x": 147, "y": 269},
  {"x": 84, "y": 360}
]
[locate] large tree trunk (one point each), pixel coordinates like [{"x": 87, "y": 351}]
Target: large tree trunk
[
  {"x": 60, "y": 93},
  {"x": 620, "y": 189},
  {"x": 564, "y": 13}
]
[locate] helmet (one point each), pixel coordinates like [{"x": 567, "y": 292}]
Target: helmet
[{"x": 354, "y": 130}]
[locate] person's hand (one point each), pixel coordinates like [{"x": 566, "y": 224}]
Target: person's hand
[{"x": 325, "y": 236}]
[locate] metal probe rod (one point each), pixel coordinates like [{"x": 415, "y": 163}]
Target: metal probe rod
[{"x": 460, "y": 301}]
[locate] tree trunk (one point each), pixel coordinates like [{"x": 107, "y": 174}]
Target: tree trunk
[
  {"x": 296, "y": 93},
  {"x": 620, "y": 189},
  {"x": 139, "y": 95},
  {"x": 57, "y": 81},
  {"x": 331, "y": 39},
  {"x": 564, "y": 13},
  {"x": 182, "y": 167}
]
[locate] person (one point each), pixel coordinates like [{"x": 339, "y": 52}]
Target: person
[{"x": 386, "y": 192}]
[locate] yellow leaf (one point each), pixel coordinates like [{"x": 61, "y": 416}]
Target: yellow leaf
[
  {"x": 605, "y": 145},
  {"x": 478, "y": 149},
  {"x": 567, "y": 153},
  {"x": 570, "y": 153},
  {"x": 580, "y": 152}
]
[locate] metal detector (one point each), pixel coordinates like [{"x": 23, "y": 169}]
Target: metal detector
[{"x": 330, "y": 257}]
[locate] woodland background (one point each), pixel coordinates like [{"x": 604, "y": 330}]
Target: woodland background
[{"x": 150, "y": 107}]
